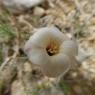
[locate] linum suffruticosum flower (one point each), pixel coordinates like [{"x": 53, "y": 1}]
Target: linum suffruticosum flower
[{"x": 53, "y": 51}]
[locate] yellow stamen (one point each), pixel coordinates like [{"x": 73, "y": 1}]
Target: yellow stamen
[{"x": 52, "y": 48}]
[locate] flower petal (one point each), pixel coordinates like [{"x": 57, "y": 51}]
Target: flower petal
[
  {"x": 44, "y": 35},
  {"x": 59, "y": 64},
  {"x": 69, "y": 47},
  {"x": 37, "y": 55}
]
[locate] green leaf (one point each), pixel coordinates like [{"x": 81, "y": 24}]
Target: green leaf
[
  {"x": 1, "y": 57},
  {"x": 65, "y": 87},
  {"x": 6, "y": 33}
]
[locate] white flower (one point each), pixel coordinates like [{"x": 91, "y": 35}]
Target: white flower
[{"x": 54, "y": 52}]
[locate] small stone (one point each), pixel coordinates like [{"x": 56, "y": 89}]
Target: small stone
[
  {"x": 27, "y": 67},
  {"x": 85, "y": 65},
  {"x": 92, "y": 70},
  {"x": 38, "y": 11},
  {"x": 16, "y": 6},
  {"x": 74, "y": 74}
]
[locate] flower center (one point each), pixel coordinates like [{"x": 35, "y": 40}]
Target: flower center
[{"x": 52, "y": 48}]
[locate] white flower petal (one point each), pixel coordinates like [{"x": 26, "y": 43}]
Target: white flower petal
[
  {"x": 58, "y": 65},
  {"x": 69, "y": 47},
  {"x": 43, "y": 36},
  {"x": 37, "y": 55}
]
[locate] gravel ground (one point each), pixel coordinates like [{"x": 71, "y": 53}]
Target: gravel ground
[{"x": 70, "y": 16}]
